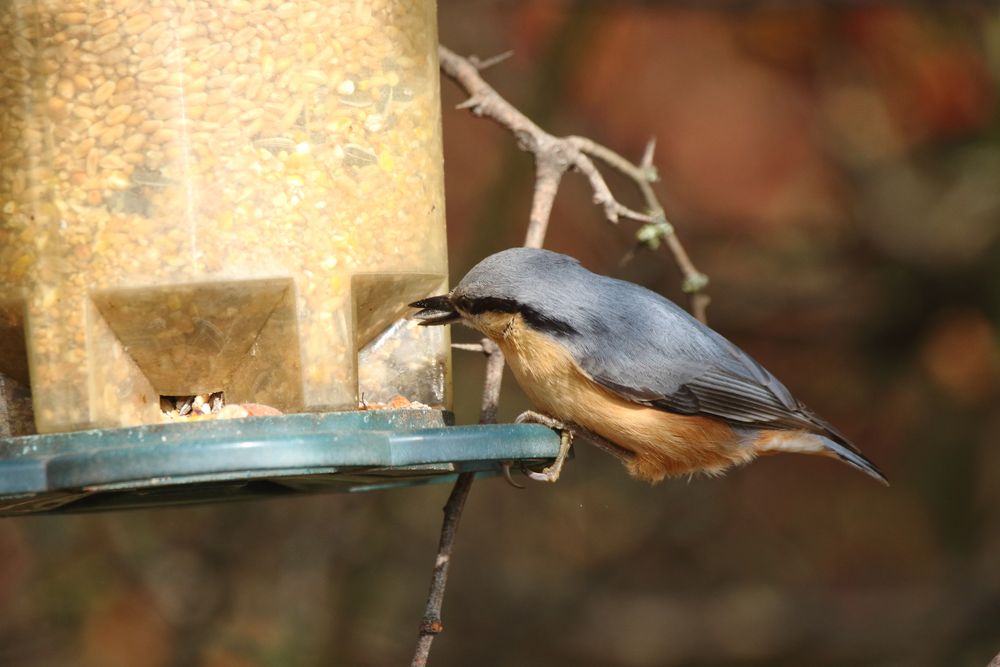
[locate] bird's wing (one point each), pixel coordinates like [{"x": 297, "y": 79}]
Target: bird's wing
[
  {"x": 711, "y": 391},
  {"x": 675, "y": 363}
]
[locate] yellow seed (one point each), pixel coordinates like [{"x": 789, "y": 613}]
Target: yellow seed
[
  {"x": 116, "y": 56},
  {"x": 94, "y": 156},
  {"x": 385, "y": 161},
  {"x": 104, "y": 92},
  {"x": 150, "y": 126},
  {"x": 195, "y": 69},
  {"x": 286, "y": 10},
  {"x": 111, "y": 135},
  {"x": 154, "y": 33},
  {"x": 111, "y": 161},
  {"x": 65, "y": 89},
  {"x": 57, "y": 108},
  {"x": 118, "y": 114},
  {"x": 106, "y": 27},
  {"x": 86, "y": 113},
  {"x": 107, "y": 43},
  {"x": 124, "y": 84},
  {"x": 137, "y": 24},
  {"x": 164, "y": 135},
  {"x": 134, "y": 142},
  {"x": 155, "y": 75},
  {"x": 188, "y": 30},
  {"x": 83, "y": 148},
  {"x": 18, "y": 73},
  {"x": 163, "y": 90},
  {"x": 117, "y": 181},
  {"x": 23, "y": 46},
  {"x": 243, "y": 36},
  {"x": 72, "y": 18},
  {"x": 21, "y": 266},
  {"x": 46, "y": 67}
]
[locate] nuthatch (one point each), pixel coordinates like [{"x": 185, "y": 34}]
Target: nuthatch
[{"x": 661, "y": 390}]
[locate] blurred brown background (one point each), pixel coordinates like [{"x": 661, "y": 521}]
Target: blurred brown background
[{"x": 836, "y": 171}]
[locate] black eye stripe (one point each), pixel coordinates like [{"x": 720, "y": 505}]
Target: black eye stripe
[{"x": 489, "y": 304}]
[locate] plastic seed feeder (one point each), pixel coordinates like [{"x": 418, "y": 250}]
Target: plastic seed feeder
[{"x": 235, "y": 199}]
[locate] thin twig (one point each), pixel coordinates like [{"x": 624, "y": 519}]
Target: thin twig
[
  {"x": 468, "y": 347},
  {"x": 554, "y": 156},
  {"x": 484, "y": 64},
  {"x": 491, "y": 384},
  {"x": 431, "y": 624},
  {"x": 644, "y": 175}
]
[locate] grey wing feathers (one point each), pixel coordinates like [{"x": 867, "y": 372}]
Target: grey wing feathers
[
  {"x": 673, "y": 362},
  {"x": 742, "y": 401}
]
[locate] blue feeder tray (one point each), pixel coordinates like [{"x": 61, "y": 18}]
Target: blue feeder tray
[{"x": 195, "y": 462}]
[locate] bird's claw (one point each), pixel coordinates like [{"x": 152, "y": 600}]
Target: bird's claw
[
  {"x": 530, "y": 416},
  {"x": 506, "y": 475},
  {"x": 546, "y": 475},
  {"x": 550, "y": 473}
]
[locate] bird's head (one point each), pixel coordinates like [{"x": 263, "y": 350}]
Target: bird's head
[{"x": 515, "y": 281}]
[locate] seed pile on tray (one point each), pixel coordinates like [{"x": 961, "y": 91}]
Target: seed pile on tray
[{"x": 209, "y": 406}]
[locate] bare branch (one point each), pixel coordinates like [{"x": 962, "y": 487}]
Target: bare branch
[
  {"x": 468, "y": 347},
  {"x": 603, "y": 196},
  {"x": 647, "y": 158},
  {"x": 659, "y": 228},
  {"x": 547, "y": 179},
  {"x": 431, "y": 624},
  {"x": 554, "y": 156},
  {"x": 484, "y": 64},
  {"x": 491, "y": 385}
]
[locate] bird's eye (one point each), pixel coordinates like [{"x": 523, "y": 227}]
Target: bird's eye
[{"x": 462, "y": 302}]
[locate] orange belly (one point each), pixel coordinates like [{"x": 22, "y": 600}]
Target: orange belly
[{"x": 664, "y": 444}]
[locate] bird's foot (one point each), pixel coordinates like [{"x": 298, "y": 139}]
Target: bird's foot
[
  {"x": 549, "y": 473},
  {"x": 506, "y": 474}
]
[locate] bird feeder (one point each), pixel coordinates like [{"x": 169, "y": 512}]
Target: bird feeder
[{"x": 232, "y": 199}]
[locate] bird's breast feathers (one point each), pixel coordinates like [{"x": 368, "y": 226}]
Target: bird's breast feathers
[{"x": 665, "y": 444}]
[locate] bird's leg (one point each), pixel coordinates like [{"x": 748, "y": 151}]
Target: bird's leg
[
  {"x": 605, "y": 445},
  {"x": 550, "y": 473}
]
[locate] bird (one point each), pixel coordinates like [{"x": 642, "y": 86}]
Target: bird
[{"x": 630, "y": 370}]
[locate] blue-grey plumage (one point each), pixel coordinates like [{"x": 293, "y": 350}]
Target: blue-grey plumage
[{"x": 677, "y": 395}]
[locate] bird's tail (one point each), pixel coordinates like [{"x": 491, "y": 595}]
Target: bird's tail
[{"x": 772, "y": 442}]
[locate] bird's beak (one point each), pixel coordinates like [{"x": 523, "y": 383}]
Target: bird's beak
[{"x": 435, "y": 310}]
